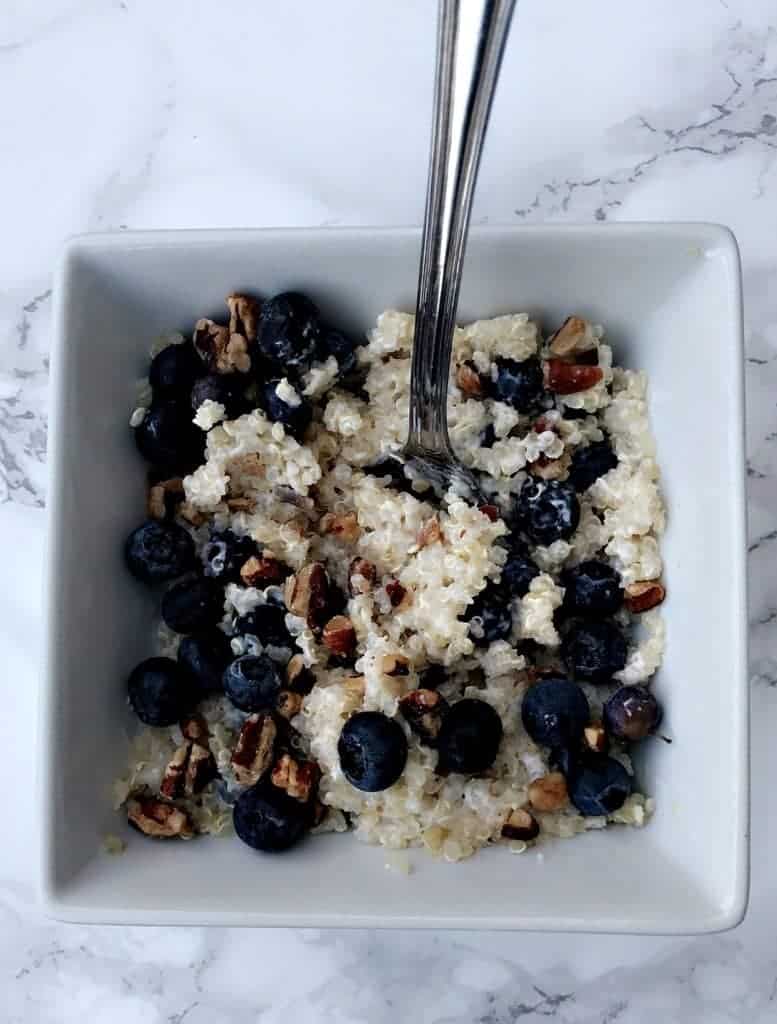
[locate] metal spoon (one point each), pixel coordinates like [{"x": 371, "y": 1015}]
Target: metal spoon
[{"x": 471, "y": 36}]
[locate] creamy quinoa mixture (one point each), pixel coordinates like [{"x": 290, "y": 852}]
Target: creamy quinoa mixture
[{"x": 355, "y": 590}]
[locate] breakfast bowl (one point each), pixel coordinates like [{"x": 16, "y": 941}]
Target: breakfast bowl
[{"x": 670, "y": 297}]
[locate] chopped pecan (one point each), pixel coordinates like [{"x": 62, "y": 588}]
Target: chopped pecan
[
  {"x": 361, "y": 576},
  {"x": 430, "y": 532},
  {"x": 339, "y": 636},
  {"x": 189, "y": 771},
  {"x": 551, "y": 469},
  {"x": 395, "y": 665},
  {"x": 344, "y": 526},
  {"x": 158, "y": 819},
  {"x": 595, "y": 737},
  {"x": 175, "y": 773},
  {"x": 263, "y": 571},
  {"x": 298, "y": 778},
  {"x": 549, "y": 793},
  {"x": 243, "y": 315},
  {"x": 397, "y": 595},
  {"x": 644, "y": 595},
  {"x": 520, "y": 825},
  {"x": 568, "y": 378},
  {"x": 299, "y": 677},
  {"x": 307, "y": 594},
  {"x": 220, "y": 350},
  {"x": 354, "y": 687},
  {"x": 423, "y": 711},
  {"x": 195, "y": 728},
  {"x": 241, "y": 504},
  {"x": 191, "y": 514},
  {"x": 491, "y": 511},
  {"x": 163, "y": 496},
  {"x": 253, "y": 753},
  {"x": 468, "y": 380},
  {"x": 571, "y": 338},
  {"x": 544, "y": 423},
  {"x": 289, "y": 704}
]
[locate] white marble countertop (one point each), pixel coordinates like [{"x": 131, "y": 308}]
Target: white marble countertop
[{"x": 135, "y": 113}]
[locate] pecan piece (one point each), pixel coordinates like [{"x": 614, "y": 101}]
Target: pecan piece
[
  {"x": 289, "y": 704},
  {"x": 164, "y": 496},
  {"x": 299, "y": 678},
  {"x": 551, "y": 469},
  {"x": 263, "y": 571},
  {"x": 344, "y": 526},
  {"x": 189, "y": 771},
  {"x": 243, "y": 315},
  {"x": 361, "y": 576},
  {"x": 398, "y": 595},
  {"x": 156, "y": 818},
  {"x": 430, "y": 533},
  {"x": 191, "y": 514},
  {"x": 469, "y": 381},
  {"x": 298, "y": 778},
  {"x": 520, "y": 825},
  {"x": 571, "y": 338},
  {"x": 241, "y": 504},
  {"x": 644, "y": 595},
  {"x": 195, "y": 728},
  {"x": 339, "y": 636},
  {"x": 595, "y": 737},
  {"x": 423, "y": 710},
  {"x": 175, "y": 773},
  {"x": 568, "y": 379},
  {"x": 307, "y": 594},
  {"x": 491, "y": 511},
  {"x": 549, "y": 793},
  {"x": 254, "y": 749},
  {"x": 220, "y": 350}
]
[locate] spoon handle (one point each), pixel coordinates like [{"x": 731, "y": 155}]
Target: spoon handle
[{"x": 471, "y": 36}]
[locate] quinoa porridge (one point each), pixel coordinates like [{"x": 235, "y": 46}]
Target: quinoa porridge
[{"x": 341, "y": 649}]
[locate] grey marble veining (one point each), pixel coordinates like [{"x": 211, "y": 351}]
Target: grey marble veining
[{"x": 137, "y": 114}]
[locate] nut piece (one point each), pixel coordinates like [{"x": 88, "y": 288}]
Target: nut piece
[
  {"x": 551, "y": 469},
  {"x": 468, "y": 381},
  {"x": 568, "y": 379},
  {"x": 190, "y": 770},
  {"x": 191, "y": 514},
  {"x": 339, "y": 635},
  {"x": 299, "y": 678},
  {"x": 423, "y": 711},
  {"x": 164, "y": 496},
  {"x": 520, "y": 825},
  {"x": 289, "y": 704},
  {"x": 344, "y": 526},
  {"x": 195, "y": 728},
  {"x": 241, "y": 504},
  {"x": 155, "y": 818},
  {"x": 354, "y": 687},
  {"x": 572, "y": 337},
  {"x": 307, "y": 594},
  {"x": 549, "y": 793},
  {"x": 361, "y": 576},
  {"x": 397, "y": 595},
  {"x": 491, "y": 511},
  {"x": 430, "y": 533},
  {"x": 395, "y": 665},
  {"x": 222, "y": 351},
  {"x": 298, "y": 778},
  {"x": 642, "y": 596},
  {"x": 253, "y": 751},
  {"x": 264, "y": 570},
  {"x": 595, "y": 737},
  {"x": 243, "y": 315},
  {"x": 175, "y": 773}
]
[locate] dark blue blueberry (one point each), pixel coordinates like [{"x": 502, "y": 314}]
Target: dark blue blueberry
[
  {"x": 598, "y": 785},
  {"x": 373, "y": 750},
  {"x": 192, "y": 605},
  {"x": 226, "y": 553},
  {"x": 267, "y": 622},
  {"x": 288, "y": 331},
  {"x": 159, "y": 692},
  {"x": 168, "y": 438},
  {"x": 294, "y": 418},
  {"x": 589, "y": 463},
  {"x": 253, "y": 682},
  {"x": 469, "y": 737},
  {"x": 547, "y": 511},
  {"x": 518, "y": 384},
  {"x": 174, "y": 370},
  {"x": 592, "y": 588},
  {"x": 594, "y": 651},
  {"x": 632, "y": 713},
  {"x": 342, "y": 346},
  {"x": 204, "y": 658},
  {"x": 491, "y": 609},
  {"x": 225, "y": 388},
  {"x": 518, "y": 572},
  {"x": 159, "y": 551},
  {"x": 555, "y": 712},
  {"x": 268, "y": 819}
]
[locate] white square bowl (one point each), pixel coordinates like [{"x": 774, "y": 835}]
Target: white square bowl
[{"x": 669, "y": 296}]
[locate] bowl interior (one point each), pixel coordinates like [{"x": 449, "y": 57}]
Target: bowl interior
[{"x": 669, "y": 299}]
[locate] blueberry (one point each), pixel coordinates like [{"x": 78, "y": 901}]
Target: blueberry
[
  {"x": 594, "y": 651},
  {"x": 469, "y": 737},
  {"x": 158, "y": 551},
  {"x": 288, "y": 330},
  {"x": 547, "y": 510},
  {"x": 267, "y": 622},
  {"x": 373, "y": 750},
  {"x": 593, "y": 588},
  {"x": 518, "y": 384},
  {"x": 168, "y": 438},
  {"x": 488, "y": 437},
  {"x": 158, "y": 692},
  {"x": 294, "y": 418},
  {"x": 224, "y": 388},
  {"x": 268, "y": 819},
  {"x": 204, "y": 658},
  {"x": 555, "y": 712},
  {"x": 252, "y": 683},
  {"x": 193, "y": 605},
  {"x": 174, "y": 370},
  {"x": 591, "y": 462},
  {"x": 632, "y": 713},
  {"x": 333, "y": 342},
  {"x": 226, "y": 553},
  {"x": 433, "y": 677},
  {"x": 598, "y": 785},
  {"x": 491, "y": 609},
  {"x": 518, "y": 572}
]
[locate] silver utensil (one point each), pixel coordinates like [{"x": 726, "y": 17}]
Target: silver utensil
[{"x": 471, "y": 37}]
